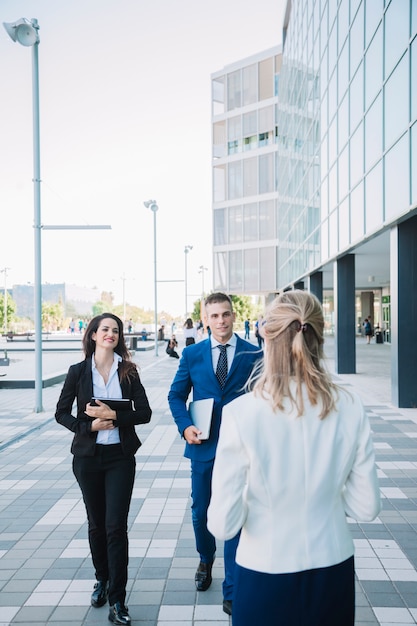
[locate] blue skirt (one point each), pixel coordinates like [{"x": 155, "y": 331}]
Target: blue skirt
[{"x": 317, "y": 597}]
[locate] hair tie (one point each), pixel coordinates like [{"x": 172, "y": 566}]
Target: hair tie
[{"x": 302, "y": 328}]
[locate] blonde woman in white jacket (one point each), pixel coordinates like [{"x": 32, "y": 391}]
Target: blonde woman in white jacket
[{"x": 295, "y": 457}]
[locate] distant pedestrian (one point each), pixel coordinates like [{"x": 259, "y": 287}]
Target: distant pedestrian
[
  {"x": 80, "y": 326},
  {"x": 172, "y": 344},
  {"x": 72, "y": 326},
  {"x": 247, "y": 329},
  {"x": 367, "y": 326},
  {"x": 258, "y": 331},
  {"x": 190, "y": 332}
]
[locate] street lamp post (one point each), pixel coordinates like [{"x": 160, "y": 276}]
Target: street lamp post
[
  {"x": 26, "y": 33},
  {"x": 186, "y": 251},
  {"x": 5, "y": 270},
  {"x": 201, "y": 271},
  {"x": 151, "y": 204}
]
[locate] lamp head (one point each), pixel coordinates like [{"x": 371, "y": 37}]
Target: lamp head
[
  {"x": 23, "y": 31},
  {"x": 151, "y": 204},
  {"x": 187, "y": 249}
]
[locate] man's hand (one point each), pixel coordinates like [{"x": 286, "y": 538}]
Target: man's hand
[{"x": 191, "y": 434}]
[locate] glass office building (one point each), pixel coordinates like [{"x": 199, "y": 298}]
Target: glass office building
[
  {"x": 344, "y": 219},
  {"x": 244, "y": 127},
  {"x": 348, "y": 177}
]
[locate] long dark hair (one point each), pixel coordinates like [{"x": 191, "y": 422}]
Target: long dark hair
[{"x": 126, "y": 367}]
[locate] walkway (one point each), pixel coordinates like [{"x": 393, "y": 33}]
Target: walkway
[{"x": 46, "y": 575}]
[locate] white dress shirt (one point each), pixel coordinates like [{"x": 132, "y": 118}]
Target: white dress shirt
[
  {"x": 110, "y": 390},
  {"x": 288, "y": 482},
  {"x": 230, "y": 351}
]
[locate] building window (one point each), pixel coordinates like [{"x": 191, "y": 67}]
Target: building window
[
  {"x": 251, "y": 270},
  {"x": 234, "y": 134},
  {"x": 235, "y": 271},
  {"x": 235, "y": 223},
  {"x": 250, "y": 222},
  {"x": 396, "y": 103},
  {"x": 266, "y": 78},
  {"x": 217, "y": 94},
  {"x": 219, "y": 183},
  {"x": 396, "y": 179},
  {"x": 250, "y": 84},
  {"x": 250, "y": 177},
  {"x": 219, "y": 139},
  {"x": 266, "y": 173},
  {"x": 220, "y": 271},
  {"x": 267, "y": 219},
  {"x": 234, "y": 91},
  {"x": 374, "y": 199},
  {"x": 267, "y": 275},
  {"x": 219, "y": 227},
  {"x": 235, "y": 180}
]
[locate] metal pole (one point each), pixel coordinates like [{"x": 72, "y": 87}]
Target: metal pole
[
  {"x": 37, "y": 227},
  {"x": 155, "y": 279},
  {"x": 5, "y": 300},
  {"x": 124, "y": 300},
  {"x": 185, "y": 281}
]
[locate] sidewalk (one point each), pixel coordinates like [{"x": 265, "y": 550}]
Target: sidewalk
[{"x": 46, "y": 575}]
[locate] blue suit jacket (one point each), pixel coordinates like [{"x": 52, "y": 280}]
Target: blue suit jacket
[{"x": 195, "y": 372}]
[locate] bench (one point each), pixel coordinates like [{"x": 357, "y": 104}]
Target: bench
[{"x": 29, "y": 336}]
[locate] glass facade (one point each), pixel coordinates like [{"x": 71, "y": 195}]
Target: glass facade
[
  {"x": 245, "y": 174},
  {"x": 347, "y": 128}
]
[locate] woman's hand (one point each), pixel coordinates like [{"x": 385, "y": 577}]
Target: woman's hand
[
  {"x": 102, "y": 424},
  {"x": 102, "y": 411}
]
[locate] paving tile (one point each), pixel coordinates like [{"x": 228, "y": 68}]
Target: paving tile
[{"x": 46, "y": 576}]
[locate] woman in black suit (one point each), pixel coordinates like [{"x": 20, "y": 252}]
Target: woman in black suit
[{"x": 104, "y": 447}]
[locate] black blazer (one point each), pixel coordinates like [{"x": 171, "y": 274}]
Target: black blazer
[{"x": 79, "y": 385}]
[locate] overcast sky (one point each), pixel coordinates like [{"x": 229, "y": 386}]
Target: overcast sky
[{"x": 124, "y": 117}]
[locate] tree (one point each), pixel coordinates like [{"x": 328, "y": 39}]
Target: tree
[
  {"x": 242, "y": 306},
  {"x": 99, "y": 308},
  {"x": 11, "y": 309},
  {"x": 52, "y": 315}
]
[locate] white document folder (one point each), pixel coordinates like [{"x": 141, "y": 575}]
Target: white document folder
[{"x": 201, "y": 412}]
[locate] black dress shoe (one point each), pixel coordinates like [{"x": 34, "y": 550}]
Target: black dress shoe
[
  {"x": 118, "y": 614},
  {"x": 227, "y": 606},
  {"x": 203, "y": 576},
  {"x": 99, "y": 595}
]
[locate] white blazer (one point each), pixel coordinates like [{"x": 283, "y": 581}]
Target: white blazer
[{"x": 288, "y": 482}]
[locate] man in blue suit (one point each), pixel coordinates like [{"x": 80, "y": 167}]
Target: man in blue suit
[{"x": 216, "y": 368}]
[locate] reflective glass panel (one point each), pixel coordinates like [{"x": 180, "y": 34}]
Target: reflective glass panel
[
  {"x": 250, "y": 84},
  {"x": 267, "y": 269},
  {"x": 396, "y": 179},
  {"x": 251, "y": 270},
  {"x": 235, "y": 271},
  {"x": 357, "y": 219},
  {"x": 396, "y": 33},
  {"x": 373, "y": 133},
  {"x": 250, "y": 222},
  {"x": 235, "y": 224},
  {"x": 374, "y": 199},
  {"x": 396, "y": 102}
]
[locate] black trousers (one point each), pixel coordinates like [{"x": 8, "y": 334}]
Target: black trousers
[{"x": 106, "y": 481}]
